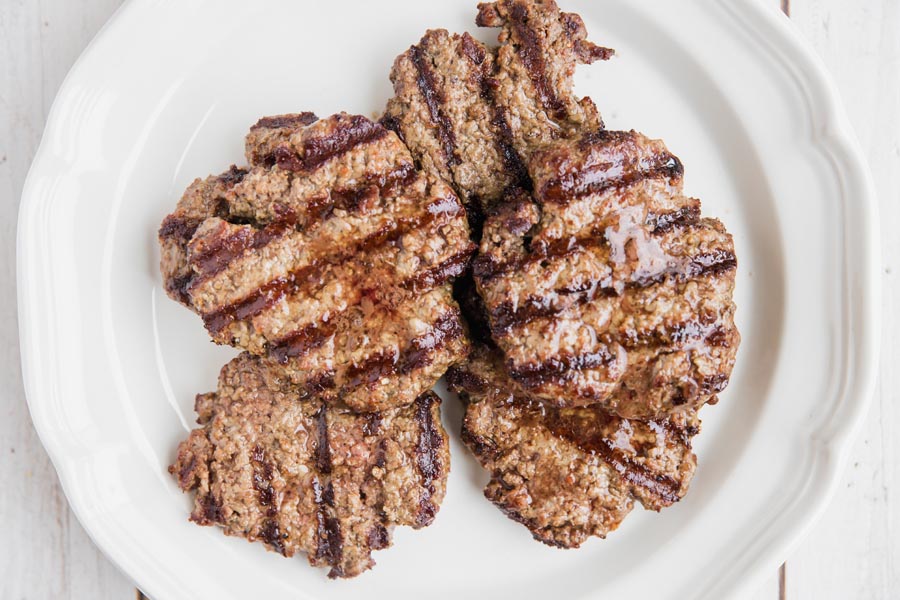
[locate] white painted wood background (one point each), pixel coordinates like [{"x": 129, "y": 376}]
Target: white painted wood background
[{"x": 853, "y": 552}]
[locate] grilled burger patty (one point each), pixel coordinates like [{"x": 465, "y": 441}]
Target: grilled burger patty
[
  {"x": 302, "y": 476},
  {"x": 331, "y": 254},
  {"x": 472, "y": 114},
  {"x": 568, "y": 473},
  {"x": 606, "y": 286}
]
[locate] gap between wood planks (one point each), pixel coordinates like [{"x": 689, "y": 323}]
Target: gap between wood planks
[{"x": 782, "y": 570}]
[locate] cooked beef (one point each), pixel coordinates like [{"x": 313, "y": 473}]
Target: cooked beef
[
  {"x": 303, "y": 476},
  {"x": 606, "y": 286},
  {"x": 331, "y": 254},
  {"x": 568, "y": 473},
  {"x": 473, "y": 114}
]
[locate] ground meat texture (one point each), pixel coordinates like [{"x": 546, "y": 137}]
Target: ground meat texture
[
  {"x": 330, "y": 254},
  {"x": 535, "y": 63},
  {"x": 572, "y": 473},
  {"x": 605, "y": 285},
  {"x": 202, "y": 199},
  {"x": 473, "y": 114},
  {"x": 304, "y": 476}
]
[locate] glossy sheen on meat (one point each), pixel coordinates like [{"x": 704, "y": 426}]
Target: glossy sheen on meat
[
  {"x": 472, "y": 114},
  {"x": 330, "y": 254},
  {"x": 568, "y": 473},
  {"x": 302, "y": 476},
  {"x": 607, "y": 286}
]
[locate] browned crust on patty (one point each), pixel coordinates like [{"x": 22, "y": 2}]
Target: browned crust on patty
[
  {"x": 473, "y": 114},
  {"x": 607, "y": 286},
  {"x": 331, "y": 254},
  {"x": 568, "y": 473},
  {"x": 304, "y": 476}
]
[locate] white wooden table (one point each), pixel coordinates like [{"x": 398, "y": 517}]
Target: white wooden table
[{"x": 853, "y": 552}]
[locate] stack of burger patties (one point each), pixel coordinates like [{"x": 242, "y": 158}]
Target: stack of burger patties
[
  {"x": 328, "y": 261},
  {"x": 599, "y": 301},
  {"x": 598, "y": 313}
]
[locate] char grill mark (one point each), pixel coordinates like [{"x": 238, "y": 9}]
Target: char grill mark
[
  {"x": 434, "y": 98},
  {"x": 217, "y": 257},
  {"x": 323, "y": 450},
  {"x": 302, "y": 341},
  {"x": 178, "y": 228},
  {"x": 263, "y": 298},
  {"x": 321, "y": 382},
  {"x": 233, "y": 176},
  {"x": 513, "y": 162},
  {"x": 676, "y": 334},
  {"x": 418, "y": 353},
  {"x": 262, "y": 483},
  {"x": 711, "y": 263},
  {"x": 262, "y": 480},
  {"x": 663, "y": 222},
  {"x": 271, "y": 534},
  {"x": 426, "y": 458},
  {"x": 354, "y": 131},
  {"x": 312, "y": 336},
  {"x": 285, "y": 121},
  {"x": 532, "y": 55},
  {"x": 621, "y": 173},
  {"x": 273, "y": 291},
  {"x": 353, "y": 200},
  {"x": 662, "y": 486},
  {"x": 329, "y": 538},
  {"x": 178, "y": 288},
  {"x": 466, "y": 383},
  {"x": 446, "y": 329},
  {"x": 556, "y": 368},
  {"x": 431, "y": 278},
  {"x": 508, "y": 315},
  {"x": 210, "y": 510},
  {"x": 486, "y": 268},
  {"x": 378, "y": 538}
]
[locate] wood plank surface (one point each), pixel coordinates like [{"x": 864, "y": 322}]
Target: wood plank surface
[
  {"x": 854, "y": 551},
  {"x": 44, "y": 553}
]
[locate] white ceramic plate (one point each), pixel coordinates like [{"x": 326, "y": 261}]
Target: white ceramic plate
[{"x": 165, "y": 94}]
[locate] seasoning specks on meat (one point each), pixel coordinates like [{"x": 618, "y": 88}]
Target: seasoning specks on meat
[
  {"x": 331, "y": 254},
  {"x": 302, "y": 476},
  {"x": 473, "y": 114},
  {"x": 606, "y": 287},
  {"x": 568, "y": 473}
]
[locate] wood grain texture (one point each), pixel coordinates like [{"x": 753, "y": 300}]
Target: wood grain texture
[
  {"x": 44, "y": 553},
  {"x": 854, "y": 551}
]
